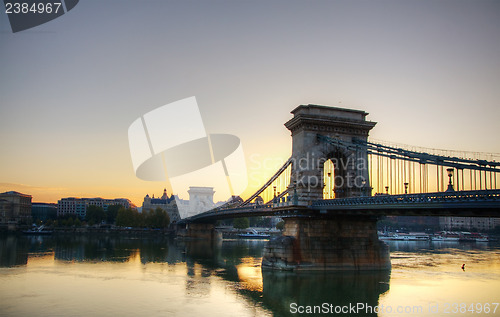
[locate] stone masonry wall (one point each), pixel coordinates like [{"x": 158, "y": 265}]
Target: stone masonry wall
[{"x": 342, "y": 243}]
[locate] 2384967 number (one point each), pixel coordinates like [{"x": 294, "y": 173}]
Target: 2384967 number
[
  {"x": 39, "y": 8},
  {"x": 456, "y": 308}
]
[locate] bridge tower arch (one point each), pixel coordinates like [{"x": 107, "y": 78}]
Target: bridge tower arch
[{"x": 309, "y": 153}]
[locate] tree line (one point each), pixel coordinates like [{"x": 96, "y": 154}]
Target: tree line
[{"x": 116, "y": 215}]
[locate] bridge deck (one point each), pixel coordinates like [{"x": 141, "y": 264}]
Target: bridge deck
[{"x": 483, "y": 203}]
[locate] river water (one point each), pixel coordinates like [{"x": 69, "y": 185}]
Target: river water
[{"x": 126, "y": 276}]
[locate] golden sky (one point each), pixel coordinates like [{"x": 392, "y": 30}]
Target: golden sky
[{"x": 427, "y": 71}]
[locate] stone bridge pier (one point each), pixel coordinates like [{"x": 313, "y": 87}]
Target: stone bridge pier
[
  {"x": 197, "y": 231},
  {"x": 328, "y": 244}
]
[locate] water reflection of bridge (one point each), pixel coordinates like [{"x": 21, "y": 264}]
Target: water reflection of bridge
[{"x": 239, "y": 262}]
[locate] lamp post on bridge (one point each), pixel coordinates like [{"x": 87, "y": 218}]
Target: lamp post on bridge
[
  {"x": 450, "y": 184},
  {"x": 365, "y": 189},
  {"x": 406, "y": 188}
]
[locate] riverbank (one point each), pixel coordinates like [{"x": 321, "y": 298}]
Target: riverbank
[
  {"x": 226, "y": 232},
  {"x": 99, "y": 230}
]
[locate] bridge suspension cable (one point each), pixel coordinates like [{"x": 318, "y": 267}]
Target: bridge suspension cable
[
  {"x": 474, "y": 155},
  {"x": 278, "y": 183},
  {"x": 398, "y": 170}
]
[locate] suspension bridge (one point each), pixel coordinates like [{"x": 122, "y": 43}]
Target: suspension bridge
[{"x": 337, "y": 183}]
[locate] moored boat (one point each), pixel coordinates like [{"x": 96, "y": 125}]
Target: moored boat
[
  {"x": 483, "y": 239},
  {"x": 38, "y": 231},
  {"x": 412, "y": 236},
  {"x": 446, "y": 236},
  {"x": 460, "y": 237},
  {"x": 254, "y": 234}
]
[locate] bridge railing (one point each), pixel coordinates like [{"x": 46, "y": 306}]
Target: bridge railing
[
  {"x": 488, "y": 198},
  {"x": 440, "y": 197}
]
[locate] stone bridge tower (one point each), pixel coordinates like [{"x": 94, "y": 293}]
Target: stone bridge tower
[{"x": 309, "y": 153}]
